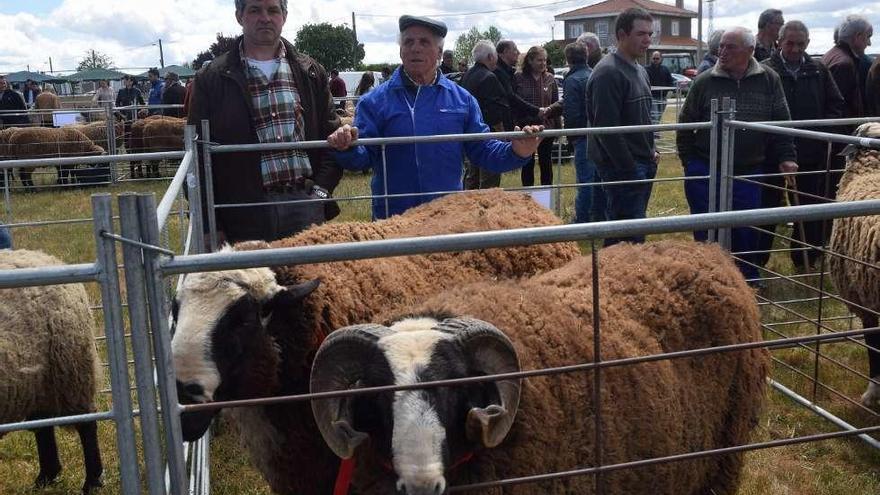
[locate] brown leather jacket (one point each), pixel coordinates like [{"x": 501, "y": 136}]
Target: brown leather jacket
[
  {"x": 220, "y": 95},
  {"x": 844, "y": 68}
]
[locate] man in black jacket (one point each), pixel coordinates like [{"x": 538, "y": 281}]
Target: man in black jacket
[
  {"x": 483, "y": 84},
  {"x": 658, "y": 76},
  {"x": 518, "y": 108},
  {"x": 11, "y": 100},
  {"x": 173, "y": 95},
  {"x": 811, "y": 93},
  {"x": 263, "y": 91}
]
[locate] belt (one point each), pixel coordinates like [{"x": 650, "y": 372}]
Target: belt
[{"x": 300, "y": 184}]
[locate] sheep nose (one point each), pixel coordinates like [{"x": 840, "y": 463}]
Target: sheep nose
[{"x": 438, "y": 488}]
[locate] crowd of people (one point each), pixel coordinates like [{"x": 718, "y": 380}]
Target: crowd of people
[{"x": 264, "y": 91}]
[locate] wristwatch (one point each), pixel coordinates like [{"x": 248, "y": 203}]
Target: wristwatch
[{"x": 320, "y": 192}]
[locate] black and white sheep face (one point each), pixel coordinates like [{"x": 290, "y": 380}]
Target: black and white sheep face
[
  {"x": 220, "y": 345},
  {"x": 423, "y": 431}
]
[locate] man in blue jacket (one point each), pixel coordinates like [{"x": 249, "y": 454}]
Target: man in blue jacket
[{"x": 419, "y": 101}]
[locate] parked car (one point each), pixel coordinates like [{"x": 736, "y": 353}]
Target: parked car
[
  {"x": 353, "y": 78},
  {"x": 683, "y": 82},
  {"x": 680, "y": 63}
]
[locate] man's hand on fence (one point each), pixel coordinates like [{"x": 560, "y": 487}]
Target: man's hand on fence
[
  {"x": 342, "y": 138},
  {"x": 788, "y": 167},
  {"x": 527, "y": 146}
]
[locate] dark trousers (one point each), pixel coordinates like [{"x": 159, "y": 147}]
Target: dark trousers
[
  {"x": 817, "y": 232},
  {"x": 479, "y": 178},
  {"x": 545, "y": 162},
  {"x": 771, "y": 197},
  {"x": 271, "y": 222},
  {"x": 746, "y": 196},
  {"x": 5, "y": 238},
  {"x": 628, "y": 201}
]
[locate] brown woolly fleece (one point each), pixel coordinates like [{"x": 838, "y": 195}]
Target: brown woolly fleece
[
  {"x": 48, "y": 142},
  {"x": 655, "y": 298},
  {"x": 47, "y": 100},
  {"x": 48, "y": 360},
  {"x": 858, "y": 237},
  {"x": 97, "y": 132},
  {"x": 157, "y": 133},
  {"x": 283, "y": 441}
]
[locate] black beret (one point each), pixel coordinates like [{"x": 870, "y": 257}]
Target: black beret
[{"x": 438, "y": 27}]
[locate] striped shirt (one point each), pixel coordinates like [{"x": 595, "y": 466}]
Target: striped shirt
[{"x": 277, "y": 118}]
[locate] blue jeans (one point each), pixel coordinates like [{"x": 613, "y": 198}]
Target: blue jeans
[
  {"x": 628, "y": 201},
  {"x": 585, "y": 172},
  {"x": 5, "y": 238},
  {"x": 746, "y": 196}
]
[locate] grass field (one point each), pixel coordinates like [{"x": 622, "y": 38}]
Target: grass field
[{"x": 845, "y": 467}]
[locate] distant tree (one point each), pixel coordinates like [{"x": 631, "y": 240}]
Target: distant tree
[
  {"x": 94, "y": 59},
  {"x": 378, "y": 67},
  {"x": 555, "y": 54},
  {"x": 465, "y": 42},
  {"x": 217, "y": 48},
  {"x": 334, "y": 47}
]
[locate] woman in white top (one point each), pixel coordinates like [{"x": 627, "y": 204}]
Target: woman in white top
[{"x": 104, "y": 94}]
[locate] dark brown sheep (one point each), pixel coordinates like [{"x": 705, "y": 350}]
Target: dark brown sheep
[
  {"x": 262, "y": 337},
  {"x": 655, "y": 298}
]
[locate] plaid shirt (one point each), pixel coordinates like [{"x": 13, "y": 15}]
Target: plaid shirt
[
  {"x": 542, "y": 92},
  {"x": 277, "y": 118}
]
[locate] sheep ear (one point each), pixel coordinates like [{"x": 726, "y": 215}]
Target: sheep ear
[
  {"x": 489, "y": 352},
  {"x": 300, "y": 291},
  {"x": 488, "y": 425}
]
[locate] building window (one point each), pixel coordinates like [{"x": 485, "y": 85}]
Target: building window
[
  {"x": 674, "y": 28},
  {"x": 602, "y": 32},
  {"x": 575, "y": 30}
]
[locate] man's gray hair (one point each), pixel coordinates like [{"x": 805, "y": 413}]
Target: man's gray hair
[
  {"x": 715, "y": 41},
  {"x": 240, "y": 4},
  {"x": 851, "y": 26},
  {"x": 793, "y": 26},
  {"x": 590, "y": 40},
  {"x": 745, "y": 34},
  {"x": 437, "y": 38},
  {"x": 483, "y": 51},
  {"x": 768, "y": 16}
]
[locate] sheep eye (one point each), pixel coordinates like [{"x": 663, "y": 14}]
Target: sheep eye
[{"x": 194, "y": 389}]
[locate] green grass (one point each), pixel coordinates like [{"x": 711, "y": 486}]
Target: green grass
[{"x": 845, "y": 467}]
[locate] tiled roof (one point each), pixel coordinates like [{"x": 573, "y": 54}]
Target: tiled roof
[{"x": 614, "y": 7}]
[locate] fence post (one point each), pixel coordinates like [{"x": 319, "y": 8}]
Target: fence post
[
  {"x": 196, "y": 215},
  {"x": 208, "y": 182},
  {"x": 7, "y": 198},
  {"x": 108, "y": 279},
  {"x": 385, "y": 182},
  {"x": 111, "y": 139},
  {"x": 162, "y": 345},
  {"x": 724, "y": 173},
  {"x": 190, "y": 144},
  {"x": 716, "y": 120},
  {"x": 140, "y": 343}
]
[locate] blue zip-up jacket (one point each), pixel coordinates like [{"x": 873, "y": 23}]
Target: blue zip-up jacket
[
  {"x": 442, "y": 108},
  {"x": 574, "y": 107},
  {"x": 156, "y": 88}
]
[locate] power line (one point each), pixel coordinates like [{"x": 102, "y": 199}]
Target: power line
[{"x": 463, "y": 14}]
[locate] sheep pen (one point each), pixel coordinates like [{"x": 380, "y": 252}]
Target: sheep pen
[
  {"x": 655, "y": 298},
  {"x": 48, "y": 363},
  {"x": 856, "y": 238},
  {"x": 240, "y": 334}
]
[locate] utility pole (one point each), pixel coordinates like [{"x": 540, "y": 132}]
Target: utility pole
[
  {"x": 354, "y": 42},
  {"x": 50, "y": 66},
  {"x": 699, "y": 31},
  {"x": 161, "y": 56}
]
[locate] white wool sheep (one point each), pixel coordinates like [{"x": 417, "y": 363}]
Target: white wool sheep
[
  {"x": 859, "y": 238},
  {"x": 48, "y": 362}
]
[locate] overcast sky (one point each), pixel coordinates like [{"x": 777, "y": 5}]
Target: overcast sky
[{"x": 35, "y": 30}]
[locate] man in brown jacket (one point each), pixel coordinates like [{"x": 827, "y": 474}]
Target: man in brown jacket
[
  {"x": 853, "y": 36},
  {"x": 263, "y": 91}
]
